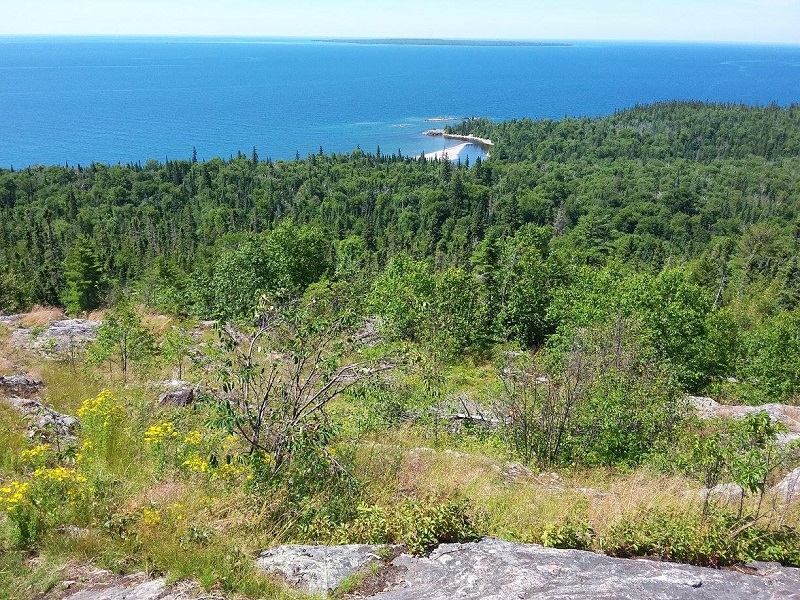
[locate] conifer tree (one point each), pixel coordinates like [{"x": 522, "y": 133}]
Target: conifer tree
[{"x": 83, "y": 276}]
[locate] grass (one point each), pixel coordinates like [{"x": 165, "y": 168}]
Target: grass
[
  {"x": 12, "y": 439},
  {"x": 40, "y": 316},
  {"x": 24, "y": 577},
  {"x": 519, "y": 509},
  {"x": 150, "y": 512}
]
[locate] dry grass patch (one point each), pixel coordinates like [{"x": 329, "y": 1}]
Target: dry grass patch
[
  {"x": 66, "y": 388},
  {"x": 7, "y": 367},
  {"x": 522, "y": 507},
  {"x": 42, "y": 315},
  {"x": 157, "y": 324},
  {"x": 96, "y": 315}
]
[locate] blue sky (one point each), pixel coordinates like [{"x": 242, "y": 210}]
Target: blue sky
[{"x": 760, "y": 21}]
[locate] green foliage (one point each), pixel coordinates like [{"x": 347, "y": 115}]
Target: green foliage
[
  {"x": 601, "y": 402},
  {"x": 83, "y": 277},
  {"x": 15, "y": 292},
  {"x": 745, "y": 452},
  {"x": 442, "y": 311},
  {"x": 403, "y": 296},
  {"x": 772, "y": 355},
  {"x": 673, "y": 317},
  {"x": 419, "y": 525},
  {"x": 279, "y": 264},
  {"x": 122, "y": 338},
  {"x": 526, "y": 279},
  {"x": 175, "y": 347},
  {"x": 716, "y": 540},
  {"x": 566, "y": 535}
]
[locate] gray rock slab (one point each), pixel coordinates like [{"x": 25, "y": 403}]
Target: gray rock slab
[
  {"x": 153, "y": 589},
  {"x": 497, "y": 570},
  {"x": 788, "y": 489},
  {"x": 19, "y": 385},
  {"x": 56, "y": 337},
  {"x": 179, "y": 398},
  {"x": 317, "y": 569},
  {"x": 727, "y": 492},
  {"x": 45, "y": 422},
  {"x": 708, "y": 408}
]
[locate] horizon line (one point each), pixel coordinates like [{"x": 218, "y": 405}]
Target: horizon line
[{"x": 389, "y": 39}]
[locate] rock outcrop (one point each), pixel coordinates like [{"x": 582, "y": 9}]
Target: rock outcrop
[
  {"x": 57, "y": 337},
  {"x": 789, "y": 416},
  {"x": 155, "y": 589},
  {"x": 180, "y": 398},
  {"x": 46, "y": 424},
  {"x": 492, "y": 569},
  {"x": 132, "y": 587},
  {"x": 21, "y": 386},
  {"x": 318, "y": 569},
  {"x": 788, "y": 489}
]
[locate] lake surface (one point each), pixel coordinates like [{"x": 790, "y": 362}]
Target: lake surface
[{"x": 78, "y": 100}]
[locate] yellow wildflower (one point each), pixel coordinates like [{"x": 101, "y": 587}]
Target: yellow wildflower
[
  {"x": 59, "y": 475},
  {"x": 158, "y": 434},
  {"x": 86, "y": 448},
  {"x": 102, "y": 410},
  {"x": 197, "y": 465},
  {"x": 151, "y": 516},
  {"x": 33, "y": 455},
  {"x": 193, "y": 438},
  {"x": 13, "y": 494},
  {"x": 229, "y": 472}
]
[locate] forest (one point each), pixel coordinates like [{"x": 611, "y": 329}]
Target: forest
[
  {"x": 380, "y": 336},
  {"x": 684, "y": 215}
]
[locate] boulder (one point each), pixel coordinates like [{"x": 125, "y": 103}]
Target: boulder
[
  {"x": 726, "y": 492},
  {"x": 317, "y": 569},
  {"x": 45, "y": 423},
  {"x": 492, "y": 569},
  {"x": 788, "y": 489},
  {"x": 132, "y": 587},
  {"x": 19, "y": 385},
  {"x": 179, "y": 398}
]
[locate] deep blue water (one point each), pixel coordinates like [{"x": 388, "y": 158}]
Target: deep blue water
[{"x": 125, "y": 100}]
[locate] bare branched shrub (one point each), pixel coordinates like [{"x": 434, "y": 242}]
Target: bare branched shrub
[{"x": 279, "y": 378}]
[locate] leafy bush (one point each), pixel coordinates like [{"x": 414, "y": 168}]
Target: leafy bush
[
  {"x": 602, "y": 401},
  {"x": 40, "y": 502},
  {"x": 420, "y": 525},
  {"x": 716, "y": 540},
  {"x": 772, "y": 356}
]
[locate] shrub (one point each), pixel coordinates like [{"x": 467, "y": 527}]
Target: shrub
[
  {"x": 418, "y": 524},
  {"x": 716, "y": 540},
  {"x": 40, "y": 502}
]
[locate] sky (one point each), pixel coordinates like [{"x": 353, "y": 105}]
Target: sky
[{"x": 752, "y": 21}]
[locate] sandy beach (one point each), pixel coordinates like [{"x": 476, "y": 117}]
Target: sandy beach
[{"x": 450, "y": 153}]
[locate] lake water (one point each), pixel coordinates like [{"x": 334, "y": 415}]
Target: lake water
[{"x": 78, "y": 100}]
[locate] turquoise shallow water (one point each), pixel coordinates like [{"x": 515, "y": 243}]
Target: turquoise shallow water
[{"x": 78, "y": 100}]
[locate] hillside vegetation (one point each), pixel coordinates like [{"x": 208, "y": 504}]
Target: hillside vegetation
[{"x": 406, "y": 351}]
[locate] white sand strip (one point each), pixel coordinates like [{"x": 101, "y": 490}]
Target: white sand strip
[{"x": 450, "y": 153}]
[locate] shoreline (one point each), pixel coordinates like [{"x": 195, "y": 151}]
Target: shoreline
[
  {"x": 454, "y": 136},
  {"x": 450, "y": 153}
]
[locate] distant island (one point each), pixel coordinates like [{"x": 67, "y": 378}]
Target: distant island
[{"x": 440, "y": 42}]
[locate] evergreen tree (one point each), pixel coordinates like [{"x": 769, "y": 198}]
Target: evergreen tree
[{"x": 83, "y": 275}]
